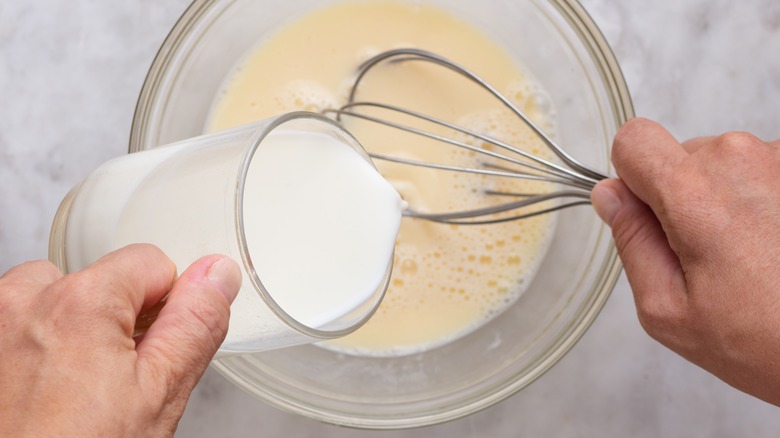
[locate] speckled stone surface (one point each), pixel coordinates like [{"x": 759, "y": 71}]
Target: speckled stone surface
[{"x": 70, "y": 73}]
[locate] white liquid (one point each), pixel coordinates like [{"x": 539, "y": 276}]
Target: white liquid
[
  {"x": 97, "y": 210},
  {"x": 320, "y": 222}
]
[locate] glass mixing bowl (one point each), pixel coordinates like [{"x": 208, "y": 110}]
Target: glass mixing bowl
[{"x": 558, "y": 44}]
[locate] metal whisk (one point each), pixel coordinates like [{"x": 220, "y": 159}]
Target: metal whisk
[{"x": 574, "y": 179}]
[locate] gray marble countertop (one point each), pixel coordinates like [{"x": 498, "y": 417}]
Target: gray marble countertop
[{"x": 70, "y": 73}]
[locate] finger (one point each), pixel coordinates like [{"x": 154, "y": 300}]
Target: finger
[
  {"x": 193, "y": 323},
  {"x": 645, "y": 154},
  {"x": 32, "y": 276},
  {"x": 652, "y": 268},
  {"x": 140, "y": 273},
  {"x": 117, "y": 286},
  {"x": 694, "y": 144}
]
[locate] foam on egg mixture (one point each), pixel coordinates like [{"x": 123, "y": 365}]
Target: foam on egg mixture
[{"x": 448, "y": 280}]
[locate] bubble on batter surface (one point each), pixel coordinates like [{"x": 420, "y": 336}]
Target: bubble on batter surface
[{"x": 304, "y": 95}]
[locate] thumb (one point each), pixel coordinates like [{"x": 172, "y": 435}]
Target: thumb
[
  {"x": 191, "y": 326},
  {"x": 652, "y": 267}
]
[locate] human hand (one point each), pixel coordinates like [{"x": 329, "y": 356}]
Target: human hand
[
  {"x": 69, "y": 364},
  {"x": 697, "y": 226}
]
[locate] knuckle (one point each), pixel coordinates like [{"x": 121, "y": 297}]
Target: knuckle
[
  {"x": 146, "y": 251},
  {"x": 735, "y": 165},
  {"x": 77, "y": 287},
  {"x": 47, "y": 269},
  {"x": 43, "y": 268},
  {"x": 625, "y": 136},
  {"x": 652, "y": 316},
  {"x": 38, "y": 271},
  {"x": 632, "y": 135},
  {"x": 85, "y": 293},
  {"x": 736, "y": 143},
  {"x": 148, "y": 260},
  {"x": 635, "y": 127},
  {"x": 144, "y": 248},
  {"x": 659, "y": 319}
]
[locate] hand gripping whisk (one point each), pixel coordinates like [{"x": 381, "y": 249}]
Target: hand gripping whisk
[{"x": 572, "y": 179}]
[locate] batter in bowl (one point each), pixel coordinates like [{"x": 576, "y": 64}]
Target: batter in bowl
[{"x": 448, "y": 280}]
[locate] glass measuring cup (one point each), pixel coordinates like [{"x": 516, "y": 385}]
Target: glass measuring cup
[{"x": 188, "y": 199}]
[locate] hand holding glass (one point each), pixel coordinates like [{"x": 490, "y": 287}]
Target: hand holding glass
[{"x": 294, "y": 199}]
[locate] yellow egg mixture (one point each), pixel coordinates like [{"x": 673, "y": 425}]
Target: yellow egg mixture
[{"x": 447, "y": 280}]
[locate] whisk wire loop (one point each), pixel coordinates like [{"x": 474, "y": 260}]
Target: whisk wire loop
[
  {"x": 579, "y": 178},
  {"x": 412, "y": 54},
  {"x": 566, "y": 176}
]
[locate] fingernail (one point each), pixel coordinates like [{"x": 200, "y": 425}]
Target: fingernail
[
  {"x": 226, "y": 276},
  {"x": 606, "y": 202}
]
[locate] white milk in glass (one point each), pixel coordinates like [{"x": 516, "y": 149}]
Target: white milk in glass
[{"x": 319, "y": 222}]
